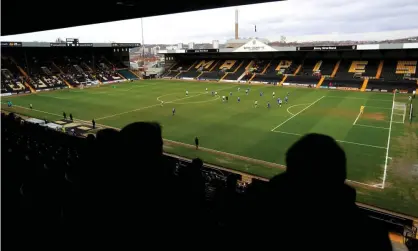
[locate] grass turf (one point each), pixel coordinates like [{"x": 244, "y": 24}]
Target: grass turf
[{"x": 242, "y": 130}]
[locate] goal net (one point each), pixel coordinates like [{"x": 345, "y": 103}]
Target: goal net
[{"x": 399, "y": 112}]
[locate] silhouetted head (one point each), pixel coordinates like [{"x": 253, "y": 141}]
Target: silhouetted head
[
  {"x": 198, "y": 163},
  {"x": 317, "y": 158},
  {"x": 107, "y": 135},
  {"x": 142, "y": 139}
]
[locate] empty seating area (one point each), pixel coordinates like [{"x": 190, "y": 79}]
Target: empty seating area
[
  {"x": 238, "y": 71},
  {"x": 371, "y": 68},
  {"x": 216, "y": 74},
  {"x": 343, "y": 70},
  {"x": 127, "y": 74},
  {"x": 399, "y": 70},
  {"x": 271, "y": 74},
  {"x": 327, "y": 66},
  {"x": 308, "y": 67}
]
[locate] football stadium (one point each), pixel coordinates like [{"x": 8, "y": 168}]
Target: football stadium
[{"x": 239, "y": 109}]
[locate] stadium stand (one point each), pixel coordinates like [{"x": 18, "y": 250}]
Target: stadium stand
[
  {"x": 270, "y": 75},
  {"x": 11, "y": 81},
  {"x": 127, "y": 74},
  {"x": 40, "y": 67},
  {"x": 235, "y": 74}
]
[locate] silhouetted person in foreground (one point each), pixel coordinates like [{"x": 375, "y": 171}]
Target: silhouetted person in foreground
[
  {"x": 93, "y": 123},
  {"x": 71, "y": 116},
  {"x": 64, "y": 115},
  {"x": 310, "y": 200}
]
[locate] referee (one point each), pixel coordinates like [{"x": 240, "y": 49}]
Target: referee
[{"x": 196, "y": 142}]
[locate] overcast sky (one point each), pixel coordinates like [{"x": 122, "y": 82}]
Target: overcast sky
[{"x": 298, "y": 20}]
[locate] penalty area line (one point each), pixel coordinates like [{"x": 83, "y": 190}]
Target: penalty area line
[
  {"x": 297, "y": 113},
  {"x": 341, "y": 141},
  {"x": 377, "y": 127}
]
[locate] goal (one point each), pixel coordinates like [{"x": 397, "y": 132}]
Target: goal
[{"x": 399, "y": 112}]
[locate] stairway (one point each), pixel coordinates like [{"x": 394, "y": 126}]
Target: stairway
[
  {"x": 87, "y": 66},
  {"x": 317, "y": 66},
  {"x": 242, "y": 75},
  {"x": 320, "y": 82},
  {"x": 265, "y": 69},
  {"x": 199, "y": 75},
  {"x": 336, "y": 68},
  {"x": 223, "y": 76},
  {"x": 66, "y": 82},
  {"x": 78, "y": 68},
  {"x": 284, "y": 79},
  {"x": 56, "y": 67},
  {"x": 363, "y": 87},
  {"x": 239, "y": 66},
  {"x": 197, "y": 61},
  {"x": 29, "y": 87},
  {"x": 32, "y": 90},
  {"x": 297, "y": 70},
  {"x": 253, "y": 76},
  {"x": 379, "y": 69},
  {"x": 46, "y": 71}
]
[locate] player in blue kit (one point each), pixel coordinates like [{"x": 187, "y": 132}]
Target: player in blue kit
[
  {"x": 239, "y": 99},
  {"x": 261, "y": 94},
  {"x": 213, "y": 93},
  {"x": 174, "y": 111},
  {"x": 230, "y": 94},
  {"x": 268, "y": 105},
  {"x": 285, "y": 99}
]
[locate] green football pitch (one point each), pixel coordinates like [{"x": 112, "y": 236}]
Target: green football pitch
[{"x": 381, "y": 145}]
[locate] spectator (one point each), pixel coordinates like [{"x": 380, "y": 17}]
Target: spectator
[{"x": 304, "y": 189}]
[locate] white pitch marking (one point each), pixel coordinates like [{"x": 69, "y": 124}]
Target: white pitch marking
[
  {"x": 378, "y": 107},
  {"x": 365, "y": 184},
  {"x": 150, "y": 106},
  {"x": 297, "y": 113},
  {"x": 293, "y": 106},
  {"x": 358, "y": 116},
  {"x": 379, "y": 127},
  {"x": 387, "y": 147},
  {"x": 359, "y": 98},
  {"x": 342, "y": 141}
]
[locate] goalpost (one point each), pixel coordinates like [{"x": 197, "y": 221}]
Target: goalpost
[{"x": 399, "y": 112}]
